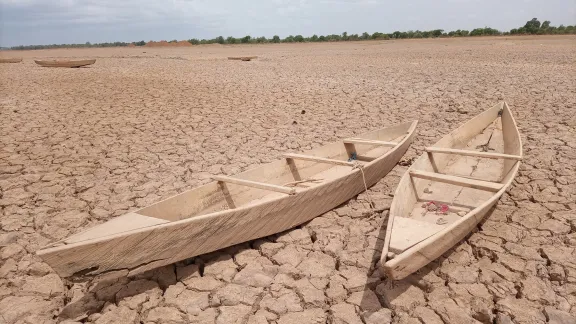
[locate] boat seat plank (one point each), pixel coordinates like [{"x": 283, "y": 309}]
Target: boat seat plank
[
  {"x": 368, "y": 142},
  {"x": 407, "y": 232},
  {"x": 254, "y": 184},
  {"x": 317, "y": 159},
  {"x": 459, "y": 181},
  {"x": 488, "y": 155}
]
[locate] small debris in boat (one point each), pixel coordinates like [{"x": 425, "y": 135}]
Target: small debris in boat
[
  {"x": 427, "y": 190},
  {"x": 461, "y": 213},
  {"x": 443, "y": 209},
  {"x": 431, "y": 207},
  {"x": 441, "y": 221},
  {"x": 303, "y": 112}
]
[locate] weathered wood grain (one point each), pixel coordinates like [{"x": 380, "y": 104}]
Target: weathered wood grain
[
  {"x": 196, "y": 223},
  {"x": 486, "y": 129}
]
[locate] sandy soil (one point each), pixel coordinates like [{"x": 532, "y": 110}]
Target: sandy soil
[{"x": 79, "y": 146}]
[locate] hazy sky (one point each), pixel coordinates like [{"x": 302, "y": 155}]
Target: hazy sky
[{"x": 78, "y": 21}]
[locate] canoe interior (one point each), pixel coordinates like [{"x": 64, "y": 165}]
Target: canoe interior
[
  {"x": 215, "y": 197},
  {"x": 413, "y": 221}
]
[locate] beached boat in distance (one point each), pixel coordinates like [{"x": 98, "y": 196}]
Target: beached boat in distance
[
  {"x": 65, "y": 63},
  {"x": 256, "y": 203},
  {"x": 242, "y": 58},
  {"x": 11, "y": 60},
  {"x": 449, "y": 189}
]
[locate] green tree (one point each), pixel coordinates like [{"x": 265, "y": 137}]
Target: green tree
[
  {"x": 276, "y": 39},
  {"x": 437, "y": 32},
  {"x": 314, "y": 38},
  {"x": 220, "y": 40},
  {"x": 545, "y": 24},
  {"x": 246, "y": 39},
  {"x": 532, "y": 26},
  {"x": 365, "y": 35},
  {"x": 345, "y": 36},
  {"x": 299, "y": 38},
  {"x": 230, "y": 40}
]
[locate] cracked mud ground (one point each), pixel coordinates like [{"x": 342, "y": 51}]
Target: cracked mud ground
[{"x": 80, "y": 146}]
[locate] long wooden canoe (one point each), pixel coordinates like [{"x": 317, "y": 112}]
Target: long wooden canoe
[
  {"x": 256, "y": 203},
  {"x": 449, "y": 189},
  {"x": 11, "y": 60},
  {"x": 65, "y": 63}
]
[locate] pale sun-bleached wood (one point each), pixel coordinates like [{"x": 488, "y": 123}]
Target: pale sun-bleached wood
[
  {"x": 410, "y": 232},
  {"x": 460, "y": 181},
  {"x": 407, "y": 189},
  {"x": 407, "y": 193},
  {"x": 254, "y": 184},
  {"x": 197, "y": 221},
  {"x": 368, "y": 142},
  {"x": 242, "y": 58},
  {"x": 65, "y": 63},
  {"x": 317, "y": 159},
  {"x": 488, "y": 155}
]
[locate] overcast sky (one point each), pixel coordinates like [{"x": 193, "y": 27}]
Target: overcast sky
[{"x": 25, "y": 22}]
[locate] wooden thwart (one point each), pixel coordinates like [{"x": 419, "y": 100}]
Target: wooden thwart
[
  {"x": 455, "y": 180},
  {"x": 254, "y": 184},
  {"x": 368, "y": 142},
  {"x": 317, "y": 159},
  {"x": 488, "y": 155}
]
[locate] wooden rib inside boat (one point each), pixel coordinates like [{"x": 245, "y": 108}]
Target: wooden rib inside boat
[
  {"x": 449, "y": 189},
  {"x": 230, "y": 210},
  {"x": 10, "y": 60},
  {"x": 65, "y": 63}
]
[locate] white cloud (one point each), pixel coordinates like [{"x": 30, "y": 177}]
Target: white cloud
[{"x": 53, "y": 21}]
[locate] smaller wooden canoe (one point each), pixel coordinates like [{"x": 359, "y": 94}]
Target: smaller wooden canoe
[
  {"x": 11, "y": 60},
  {"x": 449, "y": 189},
  {"x": 242, "y": 58},
  {"x": 65, "y": 63}
]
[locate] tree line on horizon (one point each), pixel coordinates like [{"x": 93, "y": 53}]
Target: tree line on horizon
[{"x": 532, "y": 27}]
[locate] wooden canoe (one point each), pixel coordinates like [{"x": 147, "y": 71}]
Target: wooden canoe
[
  {"x": 242, "y": 58},
  {"x": 11, "y": 60},
  {"x": 466, "y": 172},
  {"x": 232, "y": 210},
  {"x": 65, "y": 63}
]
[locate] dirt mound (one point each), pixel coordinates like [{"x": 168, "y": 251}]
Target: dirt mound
[{"x": 184, "y": 43}]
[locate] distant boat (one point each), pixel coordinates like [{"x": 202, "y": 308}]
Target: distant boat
[
  {"x": 242, "y": 58},
  {"x": 11, "y": 60},
  {"x": 65, "y": 63},
  {"x": 449, "y": 189},
  {"x": 256, "y": 203}
]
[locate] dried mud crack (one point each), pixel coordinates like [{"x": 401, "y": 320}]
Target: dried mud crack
[{"x": 81, "y": 146}]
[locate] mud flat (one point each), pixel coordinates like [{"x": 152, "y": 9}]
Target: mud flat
[{"x": 79, "y": 146}]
